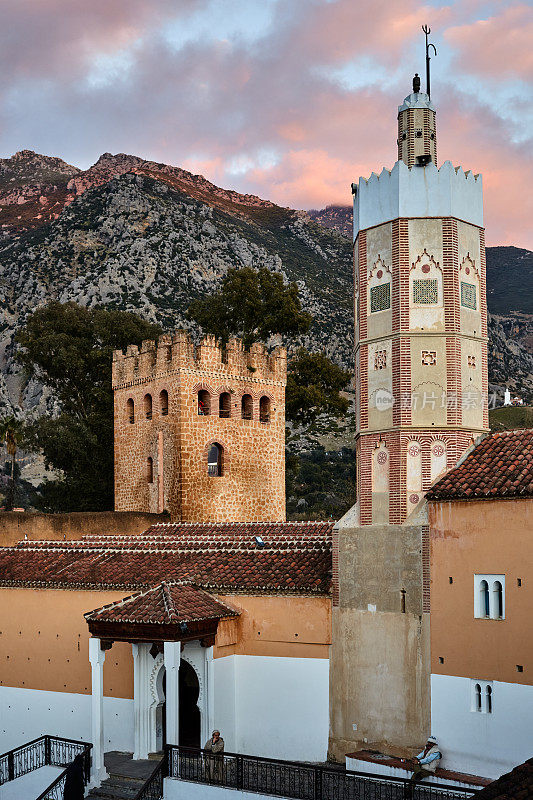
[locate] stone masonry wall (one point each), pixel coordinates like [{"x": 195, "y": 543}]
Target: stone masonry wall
[{"x": 252, "y": 485}]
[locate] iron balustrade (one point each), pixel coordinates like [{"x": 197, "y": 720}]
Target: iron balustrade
[
  {"x": 298, "y": 780},
  {"x": 41, "y": 752},
  {"x": 153, "y": 787}
]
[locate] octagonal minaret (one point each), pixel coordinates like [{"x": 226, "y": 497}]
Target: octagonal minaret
[{"x": 421, "y": 320}]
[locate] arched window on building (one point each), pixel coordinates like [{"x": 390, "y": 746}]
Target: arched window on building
[
  {"x": 247, "y": 406},
  {"x": 224, "y": 405},
  {"x": 264, "y": 409},
  {"x": 497, "y": 598},
  {"x": 477, "y": 697},
  {"x": 130, "y": 410},
  {"x": 214, "y": 460},
  {"x": 488, "y": 695},
  {"x": 163, "y": 402},
  {"x": 148, "y": 406},
  {"x": 484, "y": 600},
  {"x": 149, "y": 470},
  {"x": 204, "y": 403}
]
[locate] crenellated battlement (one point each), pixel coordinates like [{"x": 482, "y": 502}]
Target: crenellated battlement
[
  {"x": 418, "y": 192},
  {"x": 176, "y": 352}
]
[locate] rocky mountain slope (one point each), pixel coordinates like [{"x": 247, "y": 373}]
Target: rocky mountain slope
[{"x": 138, "y": 235}]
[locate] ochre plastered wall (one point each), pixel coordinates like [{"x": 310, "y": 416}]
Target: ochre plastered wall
[
  {"x": 44, "y": 642},
  {"x": 481, "y": 537},
  {"x": 252, "y": 487},
  {"x": 44, "y": 636},
  {"x": 16, "y": 526}
]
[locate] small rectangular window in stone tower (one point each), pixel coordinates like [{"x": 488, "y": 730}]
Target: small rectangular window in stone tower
[
  {"x": 468, "y": 295},
  {"x": 380, "y": 298},
  {"x": 425, "y": 291}
]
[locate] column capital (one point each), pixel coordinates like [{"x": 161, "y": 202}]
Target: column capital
[
  {"x": 96, "y": 654},
  {"x": 172, "y": 655}
]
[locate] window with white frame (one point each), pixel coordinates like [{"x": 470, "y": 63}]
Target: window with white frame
[
  {"x": 489, "y": 596},
  {"x": 481, "y": 697}
]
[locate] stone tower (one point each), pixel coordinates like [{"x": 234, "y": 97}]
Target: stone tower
[
  {"x": 200, "y": 432},
  {"x": 421, "y": 397}
]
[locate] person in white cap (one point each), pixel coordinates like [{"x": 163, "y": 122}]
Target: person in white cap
[{"x": 427, "y": 761}]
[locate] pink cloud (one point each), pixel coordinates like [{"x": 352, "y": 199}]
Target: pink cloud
[{"x": 499, "y": 46}]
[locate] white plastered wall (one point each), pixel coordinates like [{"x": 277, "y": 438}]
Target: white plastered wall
[
  {"x": 272, "y": 706},
  {"x": 26, "y": 714},
  {"x": 480, "y": 743}
]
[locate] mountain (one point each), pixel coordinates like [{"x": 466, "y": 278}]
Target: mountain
[{"x": 148, "y": 237}]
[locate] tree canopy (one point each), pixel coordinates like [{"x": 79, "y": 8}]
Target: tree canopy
[
  {"x": 68, "y": 348},
  {"x": 256, "y": 305},
  {"x": 314, "y": 384},
  {"x": 253, "y": 305}
]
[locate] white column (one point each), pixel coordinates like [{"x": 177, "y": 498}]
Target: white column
[
  {"x": 141, "y": 700},
  {"x": 210, "y": 688},
  {"x": 97, "y": 658},
  {"x": 172, "y": 656}
]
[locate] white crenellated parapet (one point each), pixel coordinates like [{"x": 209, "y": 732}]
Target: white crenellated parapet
[{"x": 418, "y": 192}]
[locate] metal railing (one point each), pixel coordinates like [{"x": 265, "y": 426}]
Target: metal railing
[
  {"x": 298, "y": 780},
  {"x": 153, "y": 787},
  {"x": 45, "y": 751}
]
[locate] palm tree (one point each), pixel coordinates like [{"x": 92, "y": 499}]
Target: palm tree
[{"x": 11, "y": 434}]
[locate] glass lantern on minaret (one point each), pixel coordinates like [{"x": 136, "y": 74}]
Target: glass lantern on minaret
[{"x": 421, "y": 321}]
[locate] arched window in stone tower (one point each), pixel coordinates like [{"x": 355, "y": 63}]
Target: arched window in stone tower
[
  {"x": 247, "y": 406},
  {"x": 163, "y": 402},
  {"x": 204, "y": 403},
  {"x": 149, "y": 470},
  {"x": 148, "y": 406},
  {"x": 130, "y": 410},
  {"x": 215, "y": 463},
  {"x": 224, "y": 405},
  {"x": 264, "y": 409}
]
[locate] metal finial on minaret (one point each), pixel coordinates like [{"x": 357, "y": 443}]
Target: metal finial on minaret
[
  {"x": 416, "y": 83},
  {"x": 427, "y": 31}
]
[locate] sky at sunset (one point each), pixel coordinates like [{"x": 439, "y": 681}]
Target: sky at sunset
[{"x": 288, "y": 99}]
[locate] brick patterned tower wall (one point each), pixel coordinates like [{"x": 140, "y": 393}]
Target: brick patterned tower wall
[
  {"x": 417, "y": 134},
  {"x": 161, "y": 457},
  {"x": 421, "y": 334}
]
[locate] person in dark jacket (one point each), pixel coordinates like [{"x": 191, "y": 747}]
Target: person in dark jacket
[{"x": 74, "y": 782}]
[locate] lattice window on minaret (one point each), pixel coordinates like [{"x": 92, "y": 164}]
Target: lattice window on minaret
[
  {"x": 472, "y": 362},
  {"x": 380, "y": 359},
  {"x": 429, "y": 358},
  {"x": 379, "y": 298},
  {"x": 425, "y": 291},
  {"x": 468, "y": 295}
]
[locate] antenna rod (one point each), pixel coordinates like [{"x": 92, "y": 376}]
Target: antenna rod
[{"x": 427, "y": 31}]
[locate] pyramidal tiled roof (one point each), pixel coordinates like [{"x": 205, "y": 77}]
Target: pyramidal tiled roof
[
  {"x": 165, "y": 604},
  {"x": 250, "y": 558},
  {"x": 501, "y": 465}
]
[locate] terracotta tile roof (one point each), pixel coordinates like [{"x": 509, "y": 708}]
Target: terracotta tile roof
[
  {"x": 166, "y": 604},
  {"x": 515, "y": 785},
  {"x": 259, "y": 557},
  {"x": 501, "y": 465}
]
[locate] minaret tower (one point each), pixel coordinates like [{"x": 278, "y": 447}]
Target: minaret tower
[
  {"x": 421, "y": 398},
  {"x": 421, "y": 319}
]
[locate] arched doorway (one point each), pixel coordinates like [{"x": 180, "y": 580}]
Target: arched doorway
[{"x": 189, "y": 713}]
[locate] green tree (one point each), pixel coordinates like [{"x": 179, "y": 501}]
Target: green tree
[
  {"x": 253, "y": 305},
  {"x": 12, "y": 435},
  {"x": 256, "y": 305},
  {"x": 68, "y": 348},
  {"x": 314, "y": 384}
]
